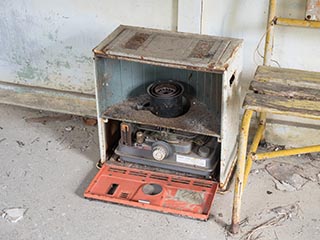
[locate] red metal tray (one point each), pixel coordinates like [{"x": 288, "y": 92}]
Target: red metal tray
[{"x": 166, "y": 193}]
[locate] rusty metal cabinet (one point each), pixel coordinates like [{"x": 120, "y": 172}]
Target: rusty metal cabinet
[{"x": 131, "y": 58}]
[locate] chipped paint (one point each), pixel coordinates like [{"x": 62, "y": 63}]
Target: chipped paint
[
  {"x": 313, "y": 10},
  {"x": 27, "y": 72},
  {"x": 37, "y": 50}
]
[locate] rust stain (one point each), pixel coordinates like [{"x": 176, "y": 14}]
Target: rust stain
[
  {"x": 313, "y": 10},
  {"x": 136, "y": 41},
  {"x": 205, "y": 56},
  {"x": 96, "y": 51},
  {"x": 141, "y": 59},
  {"x": 201, "y": 50}
]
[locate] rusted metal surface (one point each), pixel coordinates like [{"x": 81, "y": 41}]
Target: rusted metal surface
[
  {"x": 197, "y": 120},
  {"x": 313, "y": 10},
  {"x": 156, "y": 191},
  {"x": 201, "y": 49},
  {"x": 230, "y": 105},
  {"x": 209, "y": 68},
  {"x": 136, "y": 41},
  {"x": 166, "y": 48},
  {"x": 89, "y": 121},
  {"x": 242, "y": 154}
]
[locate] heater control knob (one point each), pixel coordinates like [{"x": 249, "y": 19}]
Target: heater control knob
[
  {"x": 204, "y": 151},
  {"x": 160, "y": 151}
]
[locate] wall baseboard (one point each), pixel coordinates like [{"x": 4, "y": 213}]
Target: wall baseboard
[{"x": 47, "y": 99}]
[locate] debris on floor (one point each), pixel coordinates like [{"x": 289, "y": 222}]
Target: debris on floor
[
  {"x": 20, "y": 143},
  {"x": 272, "y": 147},
  {"x": 30, "y": 171},
  {"x": 282, "y": 213},
  {"x": 69, "y": 128},
  {"x": 13, "y": 215},
  {"x": 292, "y": 176},
  {"x": 89, "y": 121}
]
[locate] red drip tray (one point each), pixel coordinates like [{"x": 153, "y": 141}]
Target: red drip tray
[{"x": 166, "y": 193}]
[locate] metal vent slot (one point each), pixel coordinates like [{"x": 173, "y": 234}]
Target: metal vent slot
[
  {"x": 124, "y": 195},
  {"x": 140, "y": 174},
  {"x": 176, "y": 180},
  {"x": 113, "y": 187},
  {"x": 159, "y": 177},
  {"x": 118, "y": 170},
  {"x": 201, "y": 184},
  {"x": 153, "y": 194}
]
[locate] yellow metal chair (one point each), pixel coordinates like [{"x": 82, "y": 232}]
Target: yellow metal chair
[{"x": 278, "y": 91}]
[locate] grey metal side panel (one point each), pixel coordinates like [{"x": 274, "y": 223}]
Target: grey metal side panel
[
  {"x": 47, "y": 99},
  {"x": 230, "y": 108}
]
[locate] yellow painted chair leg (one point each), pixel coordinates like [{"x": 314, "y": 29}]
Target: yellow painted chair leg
[
  {"x": 254, "y": 146},
  {"x": 242, "y": 152}
]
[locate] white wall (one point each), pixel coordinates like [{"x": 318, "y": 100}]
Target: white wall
[
  {"x": 294, "y": 47},
  {"x": 48, "y": 43}
]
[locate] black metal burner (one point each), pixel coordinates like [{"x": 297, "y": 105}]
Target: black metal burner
[{"x": 166, "y": 99}]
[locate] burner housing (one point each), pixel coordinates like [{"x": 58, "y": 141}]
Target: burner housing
[{"x": 166, "y": 98}]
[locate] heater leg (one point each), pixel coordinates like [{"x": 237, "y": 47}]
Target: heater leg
[
  {"x": 242, "y": 154},
  {"x": 102, "y": 141}
]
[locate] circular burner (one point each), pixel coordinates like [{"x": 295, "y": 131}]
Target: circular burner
[
  {"x": 165, "y": 89},
  {"x": 166, "y": 98}
]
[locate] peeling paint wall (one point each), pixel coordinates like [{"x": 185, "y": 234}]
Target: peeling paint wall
[{"x": 48, "y": 43}]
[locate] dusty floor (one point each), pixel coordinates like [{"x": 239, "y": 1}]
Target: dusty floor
[{"x": 45, "y": 167}]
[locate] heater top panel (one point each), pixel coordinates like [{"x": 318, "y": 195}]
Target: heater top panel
[{"x": 170, "y": 49}]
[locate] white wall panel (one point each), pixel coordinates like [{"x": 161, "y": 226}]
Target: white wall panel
[
  {"x": 190, "y": 16},
  {"x": 48, "y": 43}
]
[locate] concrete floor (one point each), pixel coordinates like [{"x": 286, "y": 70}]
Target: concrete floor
[{"x": 46, "y": 168}]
